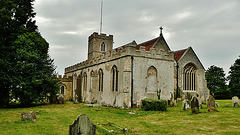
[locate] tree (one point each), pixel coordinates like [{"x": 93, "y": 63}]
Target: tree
[
  {"x": 34, "y": 69},
  {"x": 234, "y": 78},
  {"x": 216, "y": 82},
  {"x": 26, "y": 68}
]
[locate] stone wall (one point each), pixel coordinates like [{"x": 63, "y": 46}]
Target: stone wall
[
  {"x": 190, "y": 57},
  {"x": 121, "y": 57},
  {"x": 67, "y": 83}
]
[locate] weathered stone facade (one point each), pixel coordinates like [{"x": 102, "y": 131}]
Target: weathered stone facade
[{"x": 124, "y": 76}]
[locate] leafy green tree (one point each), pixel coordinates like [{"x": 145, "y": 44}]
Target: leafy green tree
[
  {"x": 34, "y": 69},
  {"x": 234, "y": 78},
  {"x": 216, "y": 82},
  {"x": 26, "y": 69}
]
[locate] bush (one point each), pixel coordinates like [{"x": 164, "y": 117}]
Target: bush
[{"x": 154, "y": 105}]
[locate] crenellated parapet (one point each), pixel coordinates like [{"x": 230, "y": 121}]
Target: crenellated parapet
[
  {"x": 125, "y": 50},
  {"x": 100, "y": 36},
  {"x": 65, "y": 78}
]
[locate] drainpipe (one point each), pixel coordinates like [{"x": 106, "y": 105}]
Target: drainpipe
[
  {"x": 131, "y": 81},
  {"x": 72, "y": 85},
  {"x": 177, "y": 82}
]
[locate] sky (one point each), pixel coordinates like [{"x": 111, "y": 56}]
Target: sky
[{"x": 210, "y": 27}]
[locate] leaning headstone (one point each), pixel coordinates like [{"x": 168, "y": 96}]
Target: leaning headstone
[
  {"x": 195, "y": 105},
  {"x": 235, "y": 101},
  {"x": 185, "y": 104},
  {"x": 211, "y": 104},
  {"x": 28, "y": 116},
  {"x": 82, "y": 126}
]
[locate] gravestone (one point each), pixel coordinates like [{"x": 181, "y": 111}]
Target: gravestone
[
  {"x": 235, "y": 101},
  {"x": 211, "y": 104},
  {"x": 200, "y": 102},
  {"x": 82, "y": 126},
  {"x": 217, "y": 104},
  {"x": 183, "y": 96},
  {"x": 185, "y": 104},
  {"x": 195, "y": 105},
  {"x": 28, "y": 116},
  {"x": 60, "y": 99},
  {"x": 227, "y": 105}
]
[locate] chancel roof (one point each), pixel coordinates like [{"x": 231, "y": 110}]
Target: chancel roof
[{"x": 178, "y": 54}]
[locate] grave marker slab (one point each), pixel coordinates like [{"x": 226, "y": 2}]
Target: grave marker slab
[
  {"x": 195, "y": 105},
  {"x": 82, "y": 126},
  {"x": 227, "y": 105},
  {"x": 211, "y": 104},
  {"x": 28, "y": 116},
  {"x": 235, "y": 101},
  {"x": 185, "y": 104}
]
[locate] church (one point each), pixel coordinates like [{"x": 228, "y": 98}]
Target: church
[{"x": 123, "y": 76}]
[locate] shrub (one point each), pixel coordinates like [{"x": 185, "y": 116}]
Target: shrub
[{"x": 154, "y": 105}]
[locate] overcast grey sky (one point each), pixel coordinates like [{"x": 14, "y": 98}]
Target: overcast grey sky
[{"x": 210, "y": 27}]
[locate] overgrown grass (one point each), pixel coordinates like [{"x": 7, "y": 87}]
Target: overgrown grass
[{"x": 55, "y": 119}]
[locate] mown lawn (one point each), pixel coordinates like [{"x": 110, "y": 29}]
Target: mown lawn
[{"x": 55, "y": 119}]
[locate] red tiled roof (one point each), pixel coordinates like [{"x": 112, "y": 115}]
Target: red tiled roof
[
  {"x": 147, "y": 44},
  {"x": 178, "y": 54}
]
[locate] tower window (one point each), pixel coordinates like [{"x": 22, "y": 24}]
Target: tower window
[{"x": 103, "y": 47}]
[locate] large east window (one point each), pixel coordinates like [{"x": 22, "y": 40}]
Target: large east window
[{"x": 189, "y": 77}]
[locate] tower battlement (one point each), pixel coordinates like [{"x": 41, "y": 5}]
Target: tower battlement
[
  {"x": 98, "y": 44},
  {"x": 100, "y": 36}
]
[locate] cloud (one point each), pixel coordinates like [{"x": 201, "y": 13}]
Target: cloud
[{"x": 210, "y": 27}]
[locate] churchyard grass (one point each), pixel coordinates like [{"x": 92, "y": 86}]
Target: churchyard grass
[{"x": 56, "y": 118}]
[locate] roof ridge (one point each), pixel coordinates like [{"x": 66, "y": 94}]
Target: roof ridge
[
  {"x": 181, "y": 50},
  {"x": 148, "y": 40}
]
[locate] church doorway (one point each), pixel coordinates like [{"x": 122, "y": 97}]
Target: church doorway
[{"x": 78, "y": 88}]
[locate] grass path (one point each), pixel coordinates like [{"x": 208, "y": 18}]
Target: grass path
[{"x": 55, "y": 119}]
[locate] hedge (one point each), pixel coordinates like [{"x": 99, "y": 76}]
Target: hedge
[{"x": 154, "y": 105}]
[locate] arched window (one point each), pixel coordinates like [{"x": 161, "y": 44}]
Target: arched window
[
  {"x": 103, "y": 47},
  {"x": 100, "y": 80},
  {"x": 92, "y": 79},
  {"x": 189, "y": 77},
  {"x": 84, "y": 81},
  {"x": 62, "y": 89},
  {"x": 114, "y": 74},
  {"x": 152, "y": 79}
]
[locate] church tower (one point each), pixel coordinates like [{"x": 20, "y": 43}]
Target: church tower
[{"x": 99, "y": 44}]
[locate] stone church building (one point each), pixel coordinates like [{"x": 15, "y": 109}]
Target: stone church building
[{"x": 125, "y": 75}]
